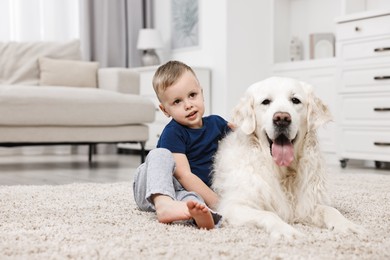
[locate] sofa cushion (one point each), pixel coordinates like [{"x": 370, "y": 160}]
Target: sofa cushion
[
  {"x": 55, "y": 72},
  {"x": 19, "y": 60},
  {"x": 71, "y": 106}
]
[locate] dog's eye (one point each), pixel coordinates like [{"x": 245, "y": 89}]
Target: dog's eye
[
  {"x": 266, "y": 102},
  {"x": 295, "y": 101}
]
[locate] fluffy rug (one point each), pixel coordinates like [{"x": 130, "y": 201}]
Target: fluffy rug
[{"x": 101, "y": 221}]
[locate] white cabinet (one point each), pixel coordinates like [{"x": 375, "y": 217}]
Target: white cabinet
[
  {"x": 364, "y": 87},
  {"x": 146, "y": 89}
]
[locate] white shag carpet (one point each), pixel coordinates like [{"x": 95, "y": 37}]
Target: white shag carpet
[{"x": 101, "y": 221}]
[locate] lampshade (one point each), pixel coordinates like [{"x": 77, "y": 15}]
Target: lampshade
[{"x": 149, "y": 39}]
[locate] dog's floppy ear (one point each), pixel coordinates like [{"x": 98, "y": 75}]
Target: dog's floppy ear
[
  {"x": 244, "y": 115},
  {"x": 317, "y": 112}
]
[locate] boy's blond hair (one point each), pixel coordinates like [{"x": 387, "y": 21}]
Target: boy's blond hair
[{"x": 167, "y": 74}]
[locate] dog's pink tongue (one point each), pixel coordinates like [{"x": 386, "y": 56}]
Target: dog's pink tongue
[{"x": 283, "y": 154}]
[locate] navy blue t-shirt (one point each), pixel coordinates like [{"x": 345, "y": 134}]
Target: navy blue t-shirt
[{"x": 199, "y": 145}]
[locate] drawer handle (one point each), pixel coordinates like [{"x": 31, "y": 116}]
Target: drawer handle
[
  {"x": 381, "y": 77},
  {"x": 381, "y": 144},
  {"x": 382, "y": 49},
  {"x": 381, "y": 109}
]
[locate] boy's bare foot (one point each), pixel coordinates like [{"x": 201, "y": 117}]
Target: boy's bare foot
[
  {"x": 201, "y": 215},
  {"x": 169, "y": 210}
]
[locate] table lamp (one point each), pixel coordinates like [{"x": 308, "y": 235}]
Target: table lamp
[{"x": 149, "y": 40}]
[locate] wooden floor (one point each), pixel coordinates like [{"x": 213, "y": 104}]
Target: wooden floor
[{"x": 65, "y": 169}]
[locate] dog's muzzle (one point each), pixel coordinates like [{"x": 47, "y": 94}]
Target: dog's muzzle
[{"x": 282, "y": 149}]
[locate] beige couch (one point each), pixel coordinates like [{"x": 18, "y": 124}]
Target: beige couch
[{"x": 49, "y": 96}]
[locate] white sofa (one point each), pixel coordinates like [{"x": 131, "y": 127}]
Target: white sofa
[{"x": 49, "y": 96}]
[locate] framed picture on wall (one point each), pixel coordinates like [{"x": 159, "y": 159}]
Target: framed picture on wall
[
  {"x": 322, "y": 45},
  {"x": 185, "y": 24}
]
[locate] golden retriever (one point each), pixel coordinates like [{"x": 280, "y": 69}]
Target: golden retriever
[{"x": 269, "y": 171}]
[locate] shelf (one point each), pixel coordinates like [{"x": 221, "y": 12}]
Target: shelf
[
  {"x": 362, "y": 15},
  {"x": 305, "y": 64},
  {"x": 300, "y": 19}
]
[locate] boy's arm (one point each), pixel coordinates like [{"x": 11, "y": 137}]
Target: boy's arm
[{"x": 191, "y": 182}]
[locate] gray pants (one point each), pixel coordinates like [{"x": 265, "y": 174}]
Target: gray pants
[{"x": 155, "y": 176}]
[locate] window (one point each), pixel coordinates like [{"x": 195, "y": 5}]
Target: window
[{"x": 39, "y": 20}]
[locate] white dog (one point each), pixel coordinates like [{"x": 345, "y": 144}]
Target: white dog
[{"x": 269, "y": 171}]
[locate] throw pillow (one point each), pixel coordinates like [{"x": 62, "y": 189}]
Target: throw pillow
[
  {"x": 19, "y": 60},
  {"x": 54, "y": 72}
]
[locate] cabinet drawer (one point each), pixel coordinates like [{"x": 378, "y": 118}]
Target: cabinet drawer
[
  {"x": 366, "y": 110},
  {"x": 366, "y": 50},
  {"x": 366, "y": 79},
  {"x": 375, "y": 26},
  {"x": 370, "y": 144}
]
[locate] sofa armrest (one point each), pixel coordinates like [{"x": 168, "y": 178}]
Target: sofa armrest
[{"x": 119, "y": 79}]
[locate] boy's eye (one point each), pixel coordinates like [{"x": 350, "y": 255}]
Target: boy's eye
[
  {"x": 177, "y": 101},
  {"x": 193, "y": 95}
]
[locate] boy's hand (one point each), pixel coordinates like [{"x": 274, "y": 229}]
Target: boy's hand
[
  {"x": 191, "y": 182},
  {"x": 232, "y": 126}
]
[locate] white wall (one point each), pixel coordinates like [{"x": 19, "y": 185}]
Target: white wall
[
  {"x": 235, "y": 38},
  {"x": 249, "y": 38}
]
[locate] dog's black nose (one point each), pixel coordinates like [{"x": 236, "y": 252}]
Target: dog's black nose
[{"x": 282, "y": 119}]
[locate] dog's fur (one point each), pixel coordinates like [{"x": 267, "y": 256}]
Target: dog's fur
[{"x": 257, "y": 189}]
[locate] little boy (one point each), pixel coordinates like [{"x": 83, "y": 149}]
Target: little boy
[{"x": 175, "y": 179}]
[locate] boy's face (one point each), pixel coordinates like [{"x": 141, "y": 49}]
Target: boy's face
[{"x": 183, "y": 101}]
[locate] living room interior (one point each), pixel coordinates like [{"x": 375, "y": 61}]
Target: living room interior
[{"x": 70, "y": 143}]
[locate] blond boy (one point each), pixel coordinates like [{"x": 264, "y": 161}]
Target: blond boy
[{"x": 175, "y": 179}]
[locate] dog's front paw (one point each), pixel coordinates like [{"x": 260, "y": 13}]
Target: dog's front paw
[
  {"x": 346, "y": 226},
  {"x": 335, "y": 221},
  {"x": 285, "y": 231}
]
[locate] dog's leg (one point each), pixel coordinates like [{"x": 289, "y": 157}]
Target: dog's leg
[
  {"x": 272, "y": 223},
  {"x": 331, "y": 218}
]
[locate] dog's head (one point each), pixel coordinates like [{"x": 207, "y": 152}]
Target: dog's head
[{"x": 279, "y": 112}]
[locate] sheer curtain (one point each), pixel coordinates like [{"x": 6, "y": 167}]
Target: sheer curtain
[
  {"x": 109, "y": 31},
  {"x": 39, "y": 20}
]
